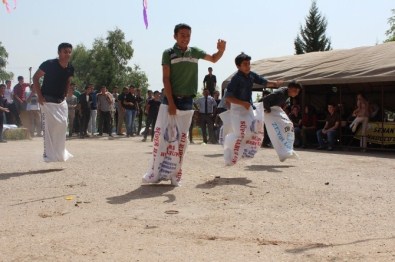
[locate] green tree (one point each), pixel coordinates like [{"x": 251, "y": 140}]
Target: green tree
[
  {"x": 391, "y": 32},
  {"x": 4, "y": 75},
  {"x": 312, "y": 36},
  {"x": 107, "y": 63}
]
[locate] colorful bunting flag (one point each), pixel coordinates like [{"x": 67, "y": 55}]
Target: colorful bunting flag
[
  {"x": 144, "y": 13},
  {"x": 7, "y": 5}
]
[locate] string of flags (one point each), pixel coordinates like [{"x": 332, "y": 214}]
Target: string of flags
[
  {"x": 145, "y": 13},
  {"x": 7, "y": 5}
]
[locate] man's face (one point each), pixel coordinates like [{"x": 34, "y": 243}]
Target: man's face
[
  {"x": 8, "y": 84},
  {"x": 21, "y": 81},
  {"x": 182, "y": 38},
  {"x": 205, "y": 93},
  {"x": 292, "y": 91},
  {"x": 331, "y": 109},
  {"x": 245, "y": 67},
  {"x": 65, "y": 54},
  {"x": 132, "y": 90},
  {"x": 2, "y": 90}
]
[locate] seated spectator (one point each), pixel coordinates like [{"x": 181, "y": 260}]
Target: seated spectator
[
  {"x": 296, "y": 119},
  {"x": 309, "y": 124},
  {"x": 332, "y": 123},
  {"x": 361, "y": 114}
]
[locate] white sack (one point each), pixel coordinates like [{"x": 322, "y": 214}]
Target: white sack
[
  {"x": 245, "y": 135},
  {"x": 54, "y": 117},
  {"x": 226, "y": 127},
  {"x": 281, "y": 132},
  {"x": 170, "y": 145}
]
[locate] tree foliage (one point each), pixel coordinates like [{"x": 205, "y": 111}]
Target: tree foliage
[
  {"x": 107, "y": 63},
  {"x": 312, "y": 36},
  {"x": 391, "y": 32},
  {"x": 4, "y": 75}
]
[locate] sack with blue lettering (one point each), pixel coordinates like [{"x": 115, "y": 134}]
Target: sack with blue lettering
[
  {"x": 246, "y": 133},
  {"x": 170, "y": 144},
  {"x": 281, "y": 132},
  {"x": 226, "y": 127}
]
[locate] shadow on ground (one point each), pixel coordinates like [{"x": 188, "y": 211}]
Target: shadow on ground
[
  {"x": 219, "y": 181},
  {"x": 144, "y": 191},
  {"x": 267, "y": 168},
  {"x": 321, "y": 245},
  {"x": 5, "y": 176}
]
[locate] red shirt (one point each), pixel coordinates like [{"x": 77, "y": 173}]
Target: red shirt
[{"x": 20, "y": 91}]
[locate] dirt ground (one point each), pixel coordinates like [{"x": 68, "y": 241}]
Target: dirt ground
[{"x": 325, "y": 206}]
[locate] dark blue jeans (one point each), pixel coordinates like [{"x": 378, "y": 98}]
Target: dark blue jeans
[
  {"x": 331, "y": 136},
  {"x": 182, "y": 103}
]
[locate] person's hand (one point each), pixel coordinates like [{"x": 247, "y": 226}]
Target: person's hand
[
  {"x": 221, "y": 45},
  {"x": 172, "y": 109},
  {"x": 6, "y": 110},
  {"x": 246, "y": 105},
  {"x": 324, "y": 131}
]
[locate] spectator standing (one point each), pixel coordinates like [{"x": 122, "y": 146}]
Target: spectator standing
[
  {"x": 104, "y": 104},
  {"x": 12, "y": 117},
  {"x": 207, "y": 107},
  {"x": 114, "y": 117},
  {"x": 130, "y": 104},
  {"x": 149, "y": 97},
  {"x": 84, "y": 107},
  {"x": 33, "y": 112},
  {"x": 140, "y": 110},
  {"x": 152, "y": 110},
  {"x": 92, "y": 125},
  {"x": 3, "y": 109},
  {"x": 19, "y": 97},
  {"x": 121, "y": 110},
  {"x": 210, "y": 81},
  {"x": 72, "y": 103}
]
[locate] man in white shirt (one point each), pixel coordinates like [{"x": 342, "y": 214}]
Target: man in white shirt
[
  {"x": 12, "y": 117},
  {"x": 207, "y": 106}
]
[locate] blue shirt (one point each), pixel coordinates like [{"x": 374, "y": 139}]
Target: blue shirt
[{"x": 240, "y": 85}]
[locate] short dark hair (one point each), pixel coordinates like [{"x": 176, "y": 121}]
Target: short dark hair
[
  {"x": 294, "y": 84},
  {"x": 181, "y": 26},
  {"x": 2, "y": 85},
  {"x": 156, "y": 92},
  {"x": 242, "y": 57},
  {"x": 64, "y": 45},
  {"x": 20, "y": 78},
  {"x": 7, "y": 81}
]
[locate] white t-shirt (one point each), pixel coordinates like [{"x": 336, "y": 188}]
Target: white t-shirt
[
  {"x": 33, "y": 103},
  {"x": 8, "y": 95}
]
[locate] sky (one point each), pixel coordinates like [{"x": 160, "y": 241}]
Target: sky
[{"x": 260, "y": 28}]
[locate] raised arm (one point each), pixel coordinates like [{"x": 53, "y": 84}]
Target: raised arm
[{"x": 221, "y": 45}]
